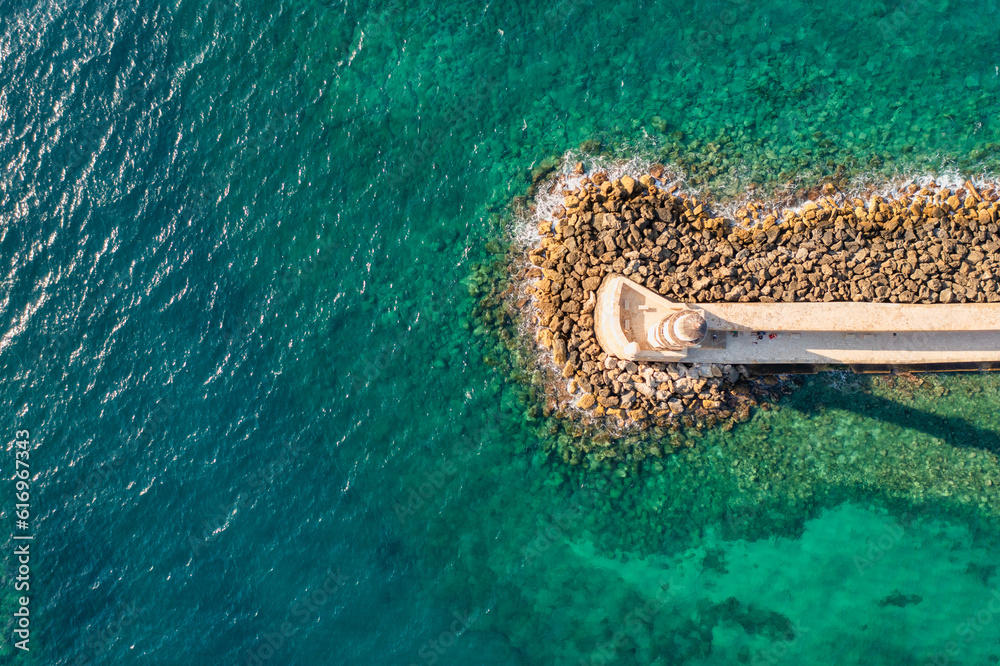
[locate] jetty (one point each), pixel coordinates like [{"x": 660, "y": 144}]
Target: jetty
[
  {"x": 656, "y": 309},
  {"x": 635, "y": 323}
]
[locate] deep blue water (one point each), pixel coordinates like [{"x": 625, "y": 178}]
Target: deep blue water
[{"x": 266, "y": 428}]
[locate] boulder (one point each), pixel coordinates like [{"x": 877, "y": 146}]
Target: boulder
[
  {"x": 559, "y": 351},
  {"x": 628, "y": 184}
]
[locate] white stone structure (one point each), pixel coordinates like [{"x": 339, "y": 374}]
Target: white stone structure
[{"x": 632, "y": 322}]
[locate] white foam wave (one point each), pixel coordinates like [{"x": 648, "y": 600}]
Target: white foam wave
[
  {"x": 864, "y": 186},
  {"x": 550, "y": 193}
]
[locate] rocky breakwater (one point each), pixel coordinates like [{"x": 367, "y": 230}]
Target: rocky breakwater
[{"x": 925, "y": 244}]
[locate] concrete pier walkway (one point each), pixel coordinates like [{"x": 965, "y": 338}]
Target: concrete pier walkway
[{"x": 818, "y": 334}]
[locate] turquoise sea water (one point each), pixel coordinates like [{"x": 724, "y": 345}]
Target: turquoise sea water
[{"x": 266, "y": 426}]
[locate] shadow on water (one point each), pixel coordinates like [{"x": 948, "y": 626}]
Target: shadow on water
[{"x": 956, "y": 431}]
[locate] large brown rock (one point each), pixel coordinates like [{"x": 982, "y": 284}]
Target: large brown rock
[
  {"x": 637, "y": 414},
  {"x": 628, "y": 184},
  {"x": 559, "y": 351}
]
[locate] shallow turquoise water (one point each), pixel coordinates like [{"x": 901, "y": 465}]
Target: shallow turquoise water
[{"x": 268, "y": 428}]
